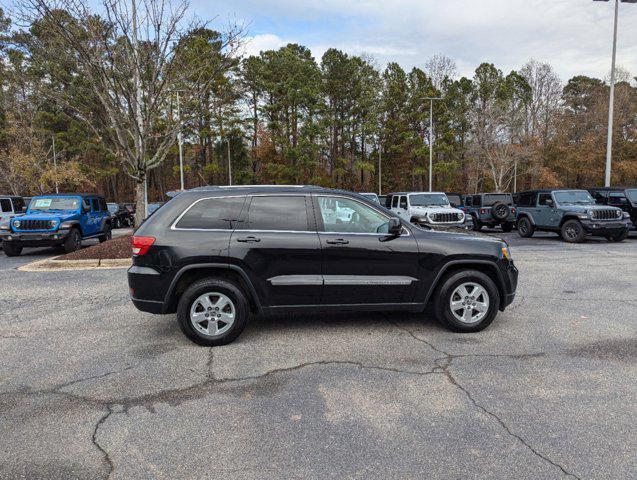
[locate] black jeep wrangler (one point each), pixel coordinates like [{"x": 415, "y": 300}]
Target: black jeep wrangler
[
  {"x": 215, "y": 255},
  {"x": 620, "y": 197}
]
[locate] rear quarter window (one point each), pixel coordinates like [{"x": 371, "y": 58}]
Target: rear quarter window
[{"x": 212, "y": 214}]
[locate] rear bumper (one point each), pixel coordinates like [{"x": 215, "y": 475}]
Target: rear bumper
[
  {"x": 147, "y": 288},
  {"x": 34, "y": 239}
]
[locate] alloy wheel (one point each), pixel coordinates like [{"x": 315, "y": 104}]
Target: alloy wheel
[
  {"x": 212, "y": 314},
  {"x": 469, "y": 302}
]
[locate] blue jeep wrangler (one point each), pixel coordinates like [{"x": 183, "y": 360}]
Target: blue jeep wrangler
[
  {"x": 571, "y": 214},
  {"x": 491, "y": 210},
  {"x": 57, "y": 220}
]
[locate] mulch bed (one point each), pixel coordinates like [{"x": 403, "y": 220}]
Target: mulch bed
[{"x": 119, "y": 247}]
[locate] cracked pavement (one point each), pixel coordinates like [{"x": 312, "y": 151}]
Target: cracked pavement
[{"x": 92, "y": 388}]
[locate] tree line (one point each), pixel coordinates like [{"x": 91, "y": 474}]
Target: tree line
[{"x": 96, "y": 100}]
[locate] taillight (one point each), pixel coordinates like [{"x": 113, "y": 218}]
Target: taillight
[
  {"x": 141, "y": 244},
  {"x": 483, "y": 210},
  {"x": 512, "y": 209}
]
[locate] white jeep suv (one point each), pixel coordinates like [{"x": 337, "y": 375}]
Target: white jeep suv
[{"x": 426, "y": 208}]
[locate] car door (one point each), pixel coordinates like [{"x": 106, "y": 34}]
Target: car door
[
  {"x": 95, "y": 216},
  {"x": 544, "y": 214},
  {"x": 277, "y": 245},
  {"x": 361, "y": 263},
  {"x": 85, "y": 217}
]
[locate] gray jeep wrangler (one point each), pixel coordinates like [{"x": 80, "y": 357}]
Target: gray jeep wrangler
[{"x": 570, "y": 213}]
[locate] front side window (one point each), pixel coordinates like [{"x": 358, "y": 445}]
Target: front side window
[
  {"x": 394, "y": 202},
  {"x": 213, "y": 214},
  {"x": 54, "y": 203},
  {"x": 284, "y": 213},
  {"x": 544, "y": 197},
  {"x": 344, "y": 215},
  {"x": 403, "y": 203},
  {"x": 429, "y": 200},
  {"x": 617, "y": 199},
  {"x": 574, "y": 197},
  {"x": 5, "y": 205},
  {"x": 632, "y": 194}
]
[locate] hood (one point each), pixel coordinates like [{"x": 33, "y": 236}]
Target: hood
[
  {"x": 584, "y": 208},
  {"x": 49, "y": 215}
]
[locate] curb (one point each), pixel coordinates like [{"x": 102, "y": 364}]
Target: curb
[{"x": 54, "y": 264}]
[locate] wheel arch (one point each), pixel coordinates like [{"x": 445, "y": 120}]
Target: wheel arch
[
  {"x": 569, "y": 216},
  {"x": 525, "y": 215},
  {"x": 487, "y": 267},
  {"x": 72, "y": 224},
  {"x": 192, "y": 273}
]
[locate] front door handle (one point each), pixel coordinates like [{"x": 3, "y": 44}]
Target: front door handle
[
  {"x": 338, "y": 241},
  {"x": 248, "y": 239}
]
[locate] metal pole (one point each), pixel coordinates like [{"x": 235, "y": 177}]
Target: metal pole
[
  {"x": 145, "y": 197},
  {"x": 609, "y": 140},
  {"x": 431, "y": 142},
  {"x": 55, "y": 165},
  {"x": 180, "y": 140},
  {"x": 380, "y": 172},
  {"x": 515, "y": 176},
  {"x": 229, "y": 165}
]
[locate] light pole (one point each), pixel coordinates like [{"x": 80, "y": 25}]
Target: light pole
[
  {"x": 431, "y": 138},
  {"x": 229, "y": 165},
  {"x": 611, "y": 102},
  {"x": 380, "y": 172}
]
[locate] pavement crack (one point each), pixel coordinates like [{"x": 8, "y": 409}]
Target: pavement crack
[
  {"x": 107, "y": 458},
  {"x": 94, "y": 377}
]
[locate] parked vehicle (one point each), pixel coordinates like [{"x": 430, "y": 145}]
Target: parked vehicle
[
  {"x": 11, "y": 206},
  {"x": 152, "y": 207},
  {"x": 624, "y": 198},
  {"x": 120, "y": 215},
  {"x": 491, "y": 210},
  {"x": 371, "y": 196},
  {"x": 570, "y": 213},
  {"x": 425, "y": 208},
  {"x": 214, "y": 256},
  {"x": 57, "y": 220}
]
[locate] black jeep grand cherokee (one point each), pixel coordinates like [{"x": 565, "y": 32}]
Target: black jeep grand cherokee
[{"x": 217, "y": 254}]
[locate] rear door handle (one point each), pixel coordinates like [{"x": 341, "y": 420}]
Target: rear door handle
[
  {"x": 338, "y": 241},
  {"x": 248, "y": 239}
]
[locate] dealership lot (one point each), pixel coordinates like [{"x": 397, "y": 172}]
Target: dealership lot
[{"x": 90, "y": 387}]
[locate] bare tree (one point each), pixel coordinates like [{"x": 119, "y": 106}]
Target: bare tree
[
  {"x": 129, "y": 53},
  {"x": 439, "y": 67},
  {"x": 544, "y": 105}
]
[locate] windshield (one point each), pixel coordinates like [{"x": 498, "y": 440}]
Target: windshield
[
  {"x": 491, "y": 199},
  {"x": 574, "y": 197},
  {"x": 54, "y": 203},
  {"x": 632, "y": 194},
  {"x": 112, "y": 207},
  {"x": 429, "y": 200}
]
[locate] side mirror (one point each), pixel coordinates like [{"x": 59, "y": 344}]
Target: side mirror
[
  {"x": 550, "y": 203},
  {"x": 394, "y": 227}
]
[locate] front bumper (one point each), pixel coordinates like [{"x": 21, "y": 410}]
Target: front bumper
[
  {"x": 34, "y": 239},
  {"x": 606, "y": 226},
  {"x": 510, "y": 283}
]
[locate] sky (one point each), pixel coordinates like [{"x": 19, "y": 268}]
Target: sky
[{"x": 574, "y": 36}]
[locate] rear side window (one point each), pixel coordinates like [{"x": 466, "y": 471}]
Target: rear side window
[
  {"x": 599, "y": 196},
  {"x": 492, "y": 199},
  {"x": 5, "y": 205},
  {"x": 477, "y": 201},
  {"x": 286, "y": 213},
  {"x": 526, "y": 200},
  {"x": 213, "y": 214}
]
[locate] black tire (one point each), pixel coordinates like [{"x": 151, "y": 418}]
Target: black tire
[
  {"x": 11, "y": 250},
  {"x": 73, "y": 241},
  {"x": 507, "y": 227},
  {"x": 212, "y": 285},
  {"x": 618, "y": 236},
  {"x": 108, "y": 234},
  {"x": 572, "y": 231},
  {"x": 477, "y": 225},
  {"x": 443, "y": 295},
  {"x": 116, "y": 223},
  {"x": 500, "y": 211},
  {"x": 525, "y": 228}
]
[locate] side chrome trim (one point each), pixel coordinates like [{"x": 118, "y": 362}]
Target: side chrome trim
[{"x": 340, "y": 280}]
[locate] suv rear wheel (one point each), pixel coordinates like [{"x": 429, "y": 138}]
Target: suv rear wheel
[
  {"x": 477, "y": 224},
  {"x": 467, "y": 301},
  {"x": 212, "y": 312},
  {"x": 572, "y": 231},
  {"x": 107, "y": 235},
  {"x": 525, "y": 227}
]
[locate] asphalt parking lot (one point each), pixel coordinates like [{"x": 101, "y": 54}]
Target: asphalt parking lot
[{"x": 92, "y": 388}]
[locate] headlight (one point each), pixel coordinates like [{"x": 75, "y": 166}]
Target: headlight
[
  {"x": 506, "y": 253},
  {"x": 16, "y": 223},
  {"x": 626, "y": 215},
  {"x": 461, "y": 216}
]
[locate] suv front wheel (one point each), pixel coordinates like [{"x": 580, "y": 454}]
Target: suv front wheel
[
  {"x": 525, "y": 228},
  {"x": 212, "y": 312},
  {"x": 573, "y": 231},
  {"x": 467, "y": 301}
]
